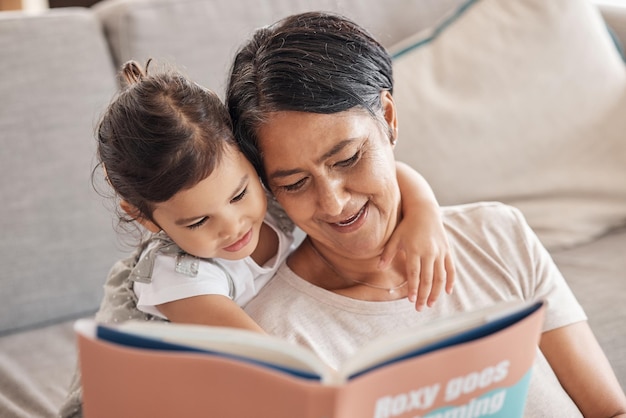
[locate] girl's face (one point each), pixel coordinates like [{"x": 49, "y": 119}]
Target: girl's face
[
  {"x": 335, "y": 176},
  {"x": 221, "y": 216}
]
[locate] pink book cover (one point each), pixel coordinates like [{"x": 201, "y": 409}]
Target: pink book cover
[
  {"x": 488, "y": 376},
  {"x": 121, "y": 382}
]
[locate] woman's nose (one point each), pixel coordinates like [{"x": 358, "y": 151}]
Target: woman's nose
[{"x": 332, "y": 197}]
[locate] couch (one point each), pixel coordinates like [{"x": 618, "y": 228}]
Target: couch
[{"x": 58, "y": 73}]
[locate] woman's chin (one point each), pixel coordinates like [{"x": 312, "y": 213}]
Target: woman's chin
[{"x": 358, "y": 247}]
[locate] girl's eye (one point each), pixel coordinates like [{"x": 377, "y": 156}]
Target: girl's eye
[
  {"x": 199, "y": 223},
  {"x": 240, "y": 196},
  {"x": 350, "y": 161}
]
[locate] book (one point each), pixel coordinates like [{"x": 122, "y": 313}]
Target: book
[{"x": 471, "y": 364}]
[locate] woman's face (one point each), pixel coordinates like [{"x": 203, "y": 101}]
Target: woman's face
[{"x": 335, "y": 176}]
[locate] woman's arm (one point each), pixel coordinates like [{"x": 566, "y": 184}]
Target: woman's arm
[
  {"x": 216, "y": 310},
  {"x": 421, "y": 235},
  {"x": 584, "y": 371}
]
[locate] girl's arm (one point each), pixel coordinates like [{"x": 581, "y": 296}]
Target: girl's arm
[
  {"x": 421, "y": 236},
  {"x": 216, "y": 310},
  {"x": 220, "y": 310}
]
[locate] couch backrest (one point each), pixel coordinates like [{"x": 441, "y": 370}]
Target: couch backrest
[
  {"x": 201, "y": 37},
  {"x": 57, "y": 73},
  {"x": 56, "y": 238}
]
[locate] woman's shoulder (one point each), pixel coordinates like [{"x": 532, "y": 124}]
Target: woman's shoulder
[
  {"x": 490, "y": 225},
  {"x": 478, "y": 210},
  {"x": 484, "y": 215}
]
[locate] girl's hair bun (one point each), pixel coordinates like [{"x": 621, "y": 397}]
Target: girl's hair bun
[{"x": 133, "y": 73}]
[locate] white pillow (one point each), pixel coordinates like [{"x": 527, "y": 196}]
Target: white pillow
[{"x": 524, "y": 102}]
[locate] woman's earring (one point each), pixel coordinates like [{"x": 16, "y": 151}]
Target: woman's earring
[{"x": 394, "y": 137}]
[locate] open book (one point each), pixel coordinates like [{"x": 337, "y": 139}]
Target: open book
[{"x": 468, "y": 365}]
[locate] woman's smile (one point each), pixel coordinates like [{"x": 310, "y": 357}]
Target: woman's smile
[{"x": 354, "y": 222}]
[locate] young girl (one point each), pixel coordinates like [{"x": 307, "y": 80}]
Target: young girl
[{"x": 167, "y": 149}]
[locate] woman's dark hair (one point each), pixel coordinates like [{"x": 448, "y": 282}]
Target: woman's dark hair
[
  {"x": 162, "y": 134},
  {"x": 310, "y": 62}
]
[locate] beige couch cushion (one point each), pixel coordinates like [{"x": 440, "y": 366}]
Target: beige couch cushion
[
  {"x": 520, "y": 101},
  {"x": 57, "y": 241},
  {"x": 175, "y": 31}
]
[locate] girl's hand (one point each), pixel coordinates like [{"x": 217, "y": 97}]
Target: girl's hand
[
  {"x": 429, "y": 265},
  {"x": 422, "y": 238}
]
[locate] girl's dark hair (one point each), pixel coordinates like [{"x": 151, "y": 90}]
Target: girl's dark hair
[
  {"x": 310, "y": 62},
  {"x": 160, "y": 135}
]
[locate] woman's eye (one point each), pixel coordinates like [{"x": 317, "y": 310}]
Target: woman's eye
[
  {"x": 199, "y": 223},
  {"x": 294, "y": 186},
  {"x": 240, "y": 195},
  {"x": 350, "y": 161}
]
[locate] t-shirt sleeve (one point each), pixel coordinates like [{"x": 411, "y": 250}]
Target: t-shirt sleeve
[
  {"x": 168, "y": 285},
  {"x": 547, "y": 282}
]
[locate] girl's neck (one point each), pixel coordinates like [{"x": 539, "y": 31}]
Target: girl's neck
[{"x": 267, "y": 247}]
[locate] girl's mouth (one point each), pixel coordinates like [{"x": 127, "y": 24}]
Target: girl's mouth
[{"x": 238, "y": 245}]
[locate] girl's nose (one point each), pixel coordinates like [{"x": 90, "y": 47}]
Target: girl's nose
[{"x": 229, "y": 225}]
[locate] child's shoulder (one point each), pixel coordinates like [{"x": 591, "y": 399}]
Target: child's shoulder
[{"x": 161, "y": 245}]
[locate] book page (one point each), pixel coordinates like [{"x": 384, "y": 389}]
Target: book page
[{"x": 234, "y": 342}]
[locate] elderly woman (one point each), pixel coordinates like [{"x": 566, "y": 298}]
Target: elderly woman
[{"x": 312, "y": 106}]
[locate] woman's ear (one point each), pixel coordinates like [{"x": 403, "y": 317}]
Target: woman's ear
[
  {"x": 134, "y": 213},
  {"x": 389, "y": 113}
]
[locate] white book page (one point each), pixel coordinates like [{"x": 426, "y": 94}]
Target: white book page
[
  {"x": 396, "y": 344},
  {"x": 233, "y": 341}
]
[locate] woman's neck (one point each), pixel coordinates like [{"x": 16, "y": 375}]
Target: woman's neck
[{"x": 358, "y": 279}]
